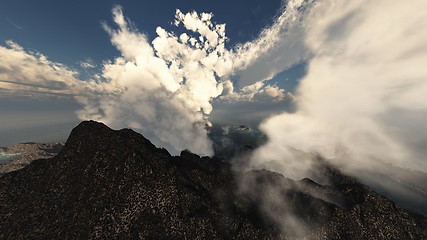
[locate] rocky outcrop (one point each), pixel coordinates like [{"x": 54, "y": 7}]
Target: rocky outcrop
[{"x": 108, "y": 184}]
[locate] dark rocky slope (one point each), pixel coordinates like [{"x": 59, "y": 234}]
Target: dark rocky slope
[{"x": 108, "y": 184}]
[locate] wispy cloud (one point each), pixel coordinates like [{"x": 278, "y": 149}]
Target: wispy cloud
[
  {"x": 87, "y": 64},
  {"x": 18, "y": 27},
  {"x": 277, "y": 48}
]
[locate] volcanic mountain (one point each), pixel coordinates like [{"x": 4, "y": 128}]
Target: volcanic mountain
[{"x": 107, "y": 184}]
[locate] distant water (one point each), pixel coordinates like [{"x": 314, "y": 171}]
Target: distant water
[{"x": 6, "y": 156}]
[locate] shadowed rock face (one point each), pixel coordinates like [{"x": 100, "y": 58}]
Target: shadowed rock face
[{"x": 115, "y": 184}]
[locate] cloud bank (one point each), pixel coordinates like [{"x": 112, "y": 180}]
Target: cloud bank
[{"x": 364, "y": 96}]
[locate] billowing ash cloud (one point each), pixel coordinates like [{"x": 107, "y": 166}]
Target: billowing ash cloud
[
  {"x": 364, "y": 95},
  {"x": 164, "y": 89}
]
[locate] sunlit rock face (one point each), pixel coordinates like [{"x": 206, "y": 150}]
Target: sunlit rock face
[{"x": 107, "y": 184}]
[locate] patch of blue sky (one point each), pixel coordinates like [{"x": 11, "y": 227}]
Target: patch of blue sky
[{"x": 289, "y": 78}]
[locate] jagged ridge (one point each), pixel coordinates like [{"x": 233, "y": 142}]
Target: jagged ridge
[{"x": 116, "y": 184}]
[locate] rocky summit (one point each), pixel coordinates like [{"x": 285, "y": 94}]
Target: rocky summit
[{"x": 107, "y": 184}]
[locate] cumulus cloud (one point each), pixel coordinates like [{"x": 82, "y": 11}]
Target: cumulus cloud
[
  {"x": 163, "y": 89},
  {"x": 28, "y": 73},
  {"x": 257, "y": 92},
  {"x": 363, "y": 97}
]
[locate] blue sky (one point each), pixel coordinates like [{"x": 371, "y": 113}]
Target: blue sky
[{"x": 71, "y": 31}]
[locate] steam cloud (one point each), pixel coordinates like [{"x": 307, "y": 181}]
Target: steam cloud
[
  {"x": 364, "y": 96},
  {"x": 165, "y": 88}
]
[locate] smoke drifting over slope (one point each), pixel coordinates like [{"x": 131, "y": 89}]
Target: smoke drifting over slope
[{"x": 364, "y": 96}]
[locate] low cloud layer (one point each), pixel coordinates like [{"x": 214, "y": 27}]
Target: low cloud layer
[
  {"x": 31, "y": 74},
  {"x": 364, "y": 96}
]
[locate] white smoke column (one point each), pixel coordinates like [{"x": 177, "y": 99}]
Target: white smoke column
[
  {"x": 366, "y": 89},
  {"x": 163, "y": 90}
]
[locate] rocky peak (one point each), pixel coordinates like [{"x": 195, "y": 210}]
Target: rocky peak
[{"x": 115, "y": 184}]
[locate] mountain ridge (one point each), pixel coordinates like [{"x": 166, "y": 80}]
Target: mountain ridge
[{"x": 108, "y": 183}]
